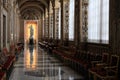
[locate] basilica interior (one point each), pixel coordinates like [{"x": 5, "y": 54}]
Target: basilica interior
[{"x": 59, "y": 39}]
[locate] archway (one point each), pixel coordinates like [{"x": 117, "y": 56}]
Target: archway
[{"x": 30, "y": 31}]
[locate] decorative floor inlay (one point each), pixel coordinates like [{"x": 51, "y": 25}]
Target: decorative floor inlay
[{"x": 37, "y": 64}]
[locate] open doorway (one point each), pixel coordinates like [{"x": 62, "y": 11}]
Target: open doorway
[{"x": 31, "y": 32}]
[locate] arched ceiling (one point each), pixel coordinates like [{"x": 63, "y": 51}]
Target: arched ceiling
[
  {"x": 31, "y": 14},
  {"x": 32, "y": 9}
]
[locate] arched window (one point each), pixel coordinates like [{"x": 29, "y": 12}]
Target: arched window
[{"x": 98, "y": 20}]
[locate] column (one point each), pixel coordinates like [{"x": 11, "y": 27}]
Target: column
[
  {"x": 18, "y": 26},
  {"x": 84, "y": 20},
  {"x": 39, "y": 29},
  {"x": 62, "y": 20},
  {"x": 48, "y": 23},
  {"x": 44, "y": 26},
  {"x": 0, "y": 25},
  {"x": 46, "y": 30},
  {"x": 51, "y": 26},
  {"x": 9, "y": 26},
  {"x": 21, "y": 29},
  {"x": 114, "y": 39},
  {"x": 77, "y": 23},
  {"x": 41, "y": 32},
  {"x": 13, "y": 25},
  {"x": 53, "y": 5},
  {"x": 66, "y": 22},
  {"x": 56, "y": 22}
]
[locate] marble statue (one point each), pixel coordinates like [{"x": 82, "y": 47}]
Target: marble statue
[
  {"x": 31, "y": 35},
  {"x": 31, "y": 31}
]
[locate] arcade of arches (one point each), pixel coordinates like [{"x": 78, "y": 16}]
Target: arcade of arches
[{"x": 59, "y": 39}]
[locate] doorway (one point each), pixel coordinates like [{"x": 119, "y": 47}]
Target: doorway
[{"x": 31, "y": 32}]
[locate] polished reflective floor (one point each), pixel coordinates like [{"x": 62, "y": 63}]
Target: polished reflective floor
[{"x": 36, "y": 64}]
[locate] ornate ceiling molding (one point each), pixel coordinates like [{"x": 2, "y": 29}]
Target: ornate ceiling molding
[
  {"x": 30, "y": 12},
  {"x": 31, "y": 8},
  {"x": 31, "y": 5}
]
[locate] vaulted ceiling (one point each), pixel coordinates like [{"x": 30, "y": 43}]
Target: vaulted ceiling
[{"x": 32, "y": 9}]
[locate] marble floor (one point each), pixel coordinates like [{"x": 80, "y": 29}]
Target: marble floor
[{"x": 36, "y": 64}]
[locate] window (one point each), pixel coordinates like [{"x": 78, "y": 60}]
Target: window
[
  {"x": 98, "y": 20},
  {"x": 59, "y": 28},
  {"x": 71, "y": 20}
]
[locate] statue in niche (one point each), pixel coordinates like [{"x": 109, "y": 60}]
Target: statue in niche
[
  {"x": 31, "y": 31},
  {"x": 31, "y": 35}
]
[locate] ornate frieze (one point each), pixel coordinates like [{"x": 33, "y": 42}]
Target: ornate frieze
[
  {"x": 66, "y": 20},
  {"x": 84, "y": 20}
]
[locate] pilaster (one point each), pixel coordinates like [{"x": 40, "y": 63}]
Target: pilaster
[
  {"x": 62, "y": 20},
  {"x": 77, "y": 23},
  {"x": 53, "y": 6}
]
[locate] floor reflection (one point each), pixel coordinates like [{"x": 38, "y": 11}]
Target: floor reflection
[
  {"x": 30, "y": 57},
  {"x": 35, "y": 63}
]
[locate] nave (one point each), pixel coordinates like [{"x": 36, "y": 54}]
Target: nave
[
  {"x": 35, "y": 63},
  {"x": 81, "y": 34}
]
